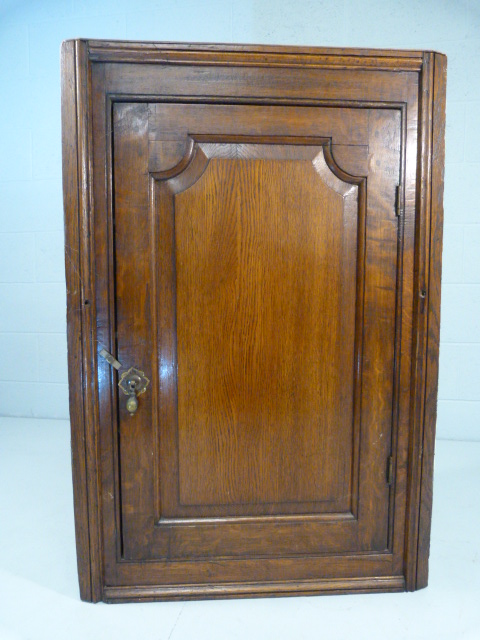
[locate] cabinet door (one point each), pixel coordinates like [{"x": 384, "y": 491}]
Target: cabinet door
[{"x": 255, "y": 271}]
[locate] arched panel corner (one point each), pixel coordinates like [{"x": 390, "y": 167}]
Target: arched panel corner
[
  {"x": 186, "y": 172},
  {"x": 334, "y": 176}
]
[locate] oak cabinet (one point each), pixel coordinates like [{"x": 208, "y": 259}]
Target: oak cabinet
[{"x": 253, "y": 250}]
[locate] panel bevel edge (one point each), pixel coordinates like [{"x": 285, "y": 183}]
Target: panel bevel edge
[
  {"x": 336, "y": 178},
  {"x": 356, "y": 192}
]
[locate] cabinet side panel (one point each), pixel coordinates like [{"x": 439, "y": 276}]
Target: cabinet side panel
[
  {"x": 433, "y": 333},
  {"x": 74, "y": 314},
  {"x": 81, "y": 312}
]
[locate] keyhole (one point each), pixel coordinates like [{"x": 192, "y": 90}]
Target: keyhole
[{"x": 132, "y": 384}]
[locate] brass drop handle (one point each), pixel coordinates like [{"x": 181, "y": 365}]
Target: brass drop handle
[
  {"x": 132, "y": 401},
  {"x": 133, "y": 383}
]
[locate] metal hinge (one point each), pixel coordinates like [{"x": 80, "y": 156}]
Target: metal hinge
[
  {"x": 398, "y": 201},
  {"x": 390, "y": 470}
]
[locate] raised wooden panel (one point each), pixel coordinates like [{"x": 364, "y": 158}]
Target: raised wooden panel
[{"x": 263, "y": 366}]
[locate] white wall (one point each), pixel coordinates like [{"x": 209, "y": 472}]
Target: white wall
[{"x": 32, "y": 290}]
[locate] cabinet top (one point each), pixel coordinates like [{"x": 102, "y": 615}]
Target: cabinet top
[{"x": 250, "y": 54}]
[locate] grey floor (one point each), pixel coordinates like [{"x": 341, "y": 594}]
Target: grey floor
[{"x": 38, "y": 583}]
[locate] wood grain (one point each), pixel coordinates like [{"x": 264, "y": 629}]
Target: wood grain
[
  {"x": 263, "y": 366},
  {"x": 337, "y": 454},
  {"x": 233, "y": 229}
]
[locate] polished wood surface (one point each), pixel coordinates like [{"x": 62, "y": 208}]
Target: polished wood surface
[
  {"x": 260, "y": 246},
  {"x": 253, "y": 234},
  {"x": 265, "y": 278}
]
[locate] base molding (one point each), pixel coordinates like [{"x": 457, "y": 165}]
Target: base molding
[{"x": 253, "y": 590}]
